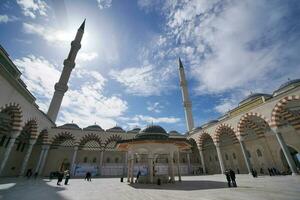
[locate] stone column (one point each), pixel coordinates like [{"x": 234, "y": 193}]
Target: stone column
[
  {"x": 178, "y": 166},
  {"x": 40, "y": 160},
  {"x": 220, "y": 158},
  {"x": 8, "y": 150},
  {"x": 202, "y": 161},
  {"x": 128, "y": 169},
  {"x": 150, "y": 165},
  {"x": 189, "y": 163},
  {"x": 101, "y": 162},
  {"x": 286, "y": 152},
  {"x": 247, "y": 161},
  {"x": 46, "y": 150},
  {"x": 171, "y": 167},
  {"x": 131, "y": 170},
  {"x": 125, "y": 164},
  {"x": 73, "y": 160},
  {"x": 27, "y": 156}
]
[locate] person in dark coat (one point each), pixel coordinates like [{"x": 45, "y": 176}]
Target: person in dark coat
[
  {"x": 232, "y": 177},
  {"x": 60, "y": 177},
  {"x": 138, "y": 176},
  {"x": 228, "y": 178},
  {"x": 67, "y": 177},
  {"x": 29, "y": 173},
  {"x": 88, "y": 176}
]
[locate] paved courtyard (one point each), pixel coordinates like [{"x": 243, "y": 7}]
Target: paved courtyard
[{"x": 192, "y": 187}]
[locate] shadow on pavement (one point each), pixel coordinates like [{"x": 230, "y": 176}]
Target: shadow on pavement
[
  {"x": 184, "y": 185},
  {"x": 31, "y": 189}
]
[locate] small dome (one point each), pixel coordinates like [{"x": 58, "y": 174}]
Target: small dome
[
  {"x": 93, "y": 128},
  {"x": 174, "y": 133},
  {"x": 286, "y": 86},
  {"x": 153, "y": 132},
  {"x": 135, "y": 130},
  {"x": 115, "y": 129},
  {"x": 70, "y": 126},
  {"x": 253, "y": 96}
]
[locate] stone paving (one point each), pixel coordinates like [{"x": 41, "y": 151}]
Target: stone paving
[{"x": 192, "y": 187}]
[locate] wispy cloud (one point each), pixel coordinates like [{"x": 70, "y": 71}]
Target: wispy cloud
[
  {"x": 102, "y": 4},
  {"x": 6, "y": 18},
  {"x": 154, "y": 107},
  {"x": 87, "y": 56},
  {"x": 32, "y": 8}
]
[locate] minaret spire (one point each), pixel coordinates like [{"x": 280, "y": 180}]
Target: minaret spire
[
  {"x": 62, "y": 85},
  {"x": 185, "y": 97}
]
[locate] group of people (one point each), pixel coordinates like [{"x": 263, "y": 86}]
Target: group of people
[
  {"x": 230, "y": 176},
  {"x": 62, "y": 175},
  {"x": 88, "y": 176}
]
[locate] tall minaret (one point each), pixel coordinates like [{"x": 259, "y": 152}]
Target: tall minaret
[
  {"x": 186, "y": 99},
  {"x": 62, "y": 85}
]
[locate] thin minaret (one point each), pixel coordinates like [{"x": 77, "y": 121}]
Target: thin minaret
[
  {"x": 62, "y": 85},
  {"x": 186, "y": 99}
]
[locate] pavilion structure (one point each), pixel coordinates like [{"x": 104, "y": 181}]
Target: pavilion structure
[{"x": 153, "y": 153}]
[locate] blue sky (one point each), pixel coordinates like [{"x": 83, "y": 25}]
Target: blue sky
[{"x": 127, "y": 72}]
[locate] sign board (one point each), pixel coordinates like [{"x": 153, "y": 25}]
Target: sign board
[{"x": 82, "y": 169}]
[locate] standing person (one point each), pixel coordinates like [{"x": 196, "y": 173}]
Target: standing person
[
  {"x": 86, "y": 176},
  {"x": 232, "y": 177},
  {"x": 138, "y": 176},
  {"x": 60, "y": 177},
  {"x": 89, "y": 176},
  {"x": 228, "y": 178},
  {"x": 67, "y": 176},
  {"x": 29, "y": 173}
]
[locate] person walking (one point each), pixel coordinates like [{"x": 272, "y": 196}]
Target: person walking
[
  {"x": 228, "y": 178},
  {"x": 60, "y": 177},
  {"x": 67, "y": 177},
  {"x": 232, "y": 177}
]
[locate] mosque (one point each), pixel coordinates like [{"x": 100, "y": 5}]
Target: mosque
[{"x": 263, "y": 131}]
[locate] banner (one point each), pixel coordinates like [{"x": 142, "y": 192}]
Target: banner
[{"x": 82, "y": 169}]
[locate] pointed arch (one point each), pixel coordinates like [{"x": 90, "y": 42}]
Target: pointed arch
[
  {"x": 111, "y": 141},
  {"x": 253, "y": 121},
  {"x": 13, "y": 116},
  {"x": 225, "y": 129},
  {"x": 63, "y": 139},
  {"x": 93, "y": 140},
  {"x": 203, "y": 136},
  {"x": 281, "y": 115}
]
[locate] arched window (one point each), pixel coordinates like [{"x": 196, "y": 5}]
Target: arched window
[
  {"x": 226, "y": 156},
  {"x": 183, "y": 160},
  {"x": 198, "y": 161},
  {"x": 234, "y": 156},
  {"x": 94, "y": 160},
  {"x": 85, "y": 159},
  {"x": 18, "y": 147},
  {"x": 116, "y": 160},
  {"x": 248, "y": 154},
  {"x": 259, "y": 154},
  {"x": 107, "y": 160},
  {"x": 2, "y": 140}
]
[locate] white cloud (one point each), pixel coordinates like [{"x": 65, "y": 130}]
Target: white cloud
[
  {"x": 83, "y": 103},
  {"x": 143, "y": 81},
  {"x": 40, "y": 76},
  {"x": 87, "y": 56},
  {"x": 102, "y": 4},
  {"x": 32, "y": 8},
  {"x": 154, "y": 107},
  {"x": 6, "y": 18}
]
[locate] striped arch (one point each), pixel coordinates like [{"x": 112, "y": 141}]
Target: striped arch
[
  {"x": 204, "y": 136},
  {"x": 14, "y": 114},
  {"x": 247, "y": 121},
  {"x": 110, "y": 142},
  {"x": 225, "y": 129},
  {"x": 43, "y": 138},
  {"x": 63, "y": 139},
  {"x": 32, "y": 127},
  {"x": 93, "y": 141},
  {"x": 281, "y": 115}
]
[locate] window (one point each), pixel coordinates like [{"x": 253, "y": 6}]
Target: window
[
  {"x": 107, "y": 160},
  {"x": 259, "y": 154},
  {"x": 248, "y": 154},
  {"x": 116, "y": 160},
  {"x": 183, "y": 160},
  {"x": 234, "y": 156},
  {"x": 226, "y": 156},
  {"x": 7, "y": 142},
  {"x": 94, "y": 160},
  {"x": 216, "y": 158},
  {"x": 85, "y": 159},
  {"x": 23, "y": 147},
  {"x": 2, "y": 140},
  {"x": 198, "y": 161}
]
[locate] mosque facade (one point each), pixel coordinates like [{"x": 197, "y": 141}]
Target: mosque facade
[{"x": 262, "y": 132}]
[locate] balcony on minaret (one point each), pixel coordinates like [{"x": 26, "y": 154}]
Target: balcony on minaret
[{"x": 187, "y": 104}]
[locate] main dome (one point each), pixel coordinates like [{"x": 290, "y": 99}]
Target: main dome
[
  {"x": 94, "y": 127},
  {"x": 153, "y": 132}
]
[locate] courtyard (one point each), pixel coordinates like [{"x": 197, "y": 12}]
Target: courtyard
[{"x": 192, "y": 187}]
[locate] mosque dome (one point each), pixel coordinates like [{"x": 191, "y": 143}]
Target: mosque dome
[
  {"x": 135, "y": 130},
  {"x": 70, "y": 126},
  {"x": 94, "y": 127},
  {"x": 153, "y": 132},
  {"x": 254, "y": 96},
  {"x": 115, "y": 129},
  {"x": 287, "y": 86}
]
